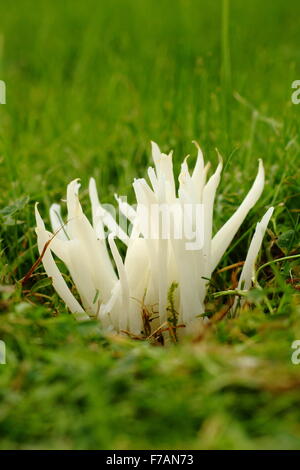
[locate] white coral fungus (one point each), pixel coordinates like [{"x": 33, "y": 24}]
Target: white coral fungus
[{"x": 162, "y": 280}]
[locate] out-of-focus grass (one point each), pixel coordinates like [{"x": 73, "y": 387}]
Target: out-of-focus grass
[
  {"x": 66, "y": 386},
  {"x": 88, "y": 85}
]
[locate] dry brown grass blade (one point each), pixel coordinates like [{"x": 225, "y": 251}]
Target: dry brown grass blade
[
  {"x": 231, "y": 266},
  {"x": 38, "y": 261}
]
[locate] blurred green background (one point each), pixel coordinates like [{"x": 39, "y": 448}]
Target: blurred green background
[{"x": 89, "y": 84}]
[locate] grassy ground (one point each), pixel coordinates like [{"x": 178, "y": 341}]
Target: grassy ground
[{"x": 88, "y": 85}]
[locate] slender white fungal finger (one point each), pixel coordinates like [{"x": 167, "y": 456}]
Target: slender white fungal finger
[
  {"x": 224, "y": 236},
  {"x": 53, "y": 272},
  {"x": 57, "y": 223},
  {"x": 248, "y": 271}
]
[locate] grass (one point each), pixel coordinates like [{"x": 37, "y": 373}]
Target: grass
[{"x": 89, "y": 84}]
